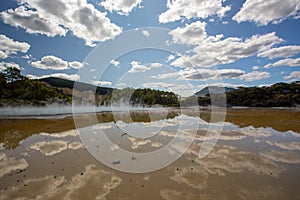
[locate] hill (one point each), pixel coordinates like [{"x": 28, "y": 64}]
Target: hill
[
  {"x": 63, "y": 83},
  {"x": 213, "y": 90}
]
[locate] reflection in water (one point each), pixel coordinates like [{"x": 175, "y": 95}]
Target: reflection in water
[{"x": 257, "y": 157}]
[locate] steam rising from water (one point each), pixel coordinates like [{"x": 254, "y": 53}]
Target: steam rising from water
[{"x": 48, "y": 110}]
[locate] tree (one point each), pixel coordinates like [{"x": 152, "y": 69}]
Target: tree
[
  {"x": 13, "y": 74},
  {"x": 2, "y": 80}
]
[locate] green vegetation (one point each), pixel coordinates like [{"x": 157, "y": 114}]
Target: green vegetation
[
  {"x": 143, "y": 97},
  {"x": 63, "y": 83},
  {"x": 16, "y": 89},
  {"x": 277, "y": 95}
]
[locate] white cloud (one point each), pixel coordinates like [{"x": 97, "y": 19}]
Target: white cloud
[
  {"x": 121, "y": 85},
  {"x": 122, "y": 7},
  {"x": 284, "y": 51},
  {"x": 27, "y": 56},
  {"x": 166, "y": 75},
  {"x": 5, "y": 65},
  {"x": 146, "y": 33},
  {"x": 57, "y": 17},
  {"x": 255, "y": 76},
  {"x": 205, "y": 74},
  {"x": 54, "y": 63},
  {"x": 187, "y": 9},
  {"x": 265, "y": 12},
  {"x": 191, "y": 34},
  {"x": 231, "y": 73},
  {"x": 292, "y": 62},
  {"x": 102, "y": 83},
  {"x": 51, "y": 62},
  {"x": 215, "y": 50},
  {"x": 3, "y": 55},
  {"x": 170, "y": 58},
  {"x": 255, "y": 67},
  {"x": 115, "y": 63},
  {"x": 76, "y": 65},
  {"x": 138, "y": 67},
  {"x": 181, "y": 89},
  {"x": 293, "y": 76},
  {"x": 155, "y": 65},
  {"x": 32, "y": 22},
  {"x": 73, "y": 77},
  {"x": 9, "y": 46}
]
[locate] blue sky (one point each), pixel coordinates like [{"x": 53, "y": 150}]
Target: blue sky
[{"x": 195, "y": 42}]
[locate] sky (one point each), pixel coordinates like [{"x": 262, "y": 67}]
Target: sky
[{"x": 176, "y": 45}]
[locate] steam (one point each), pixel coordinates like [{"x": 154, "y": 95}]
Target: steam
[{"x": 63, "y": 110}]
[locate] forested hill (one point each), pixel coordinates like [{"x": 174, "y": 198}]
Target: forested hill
[
  {"x": 63, "y": 83},
  {"x": 16, "y": 89},
  {"x": 277, "y": 95}
]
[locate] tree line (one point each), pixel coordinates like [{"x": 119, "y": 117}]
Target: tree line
[
  {"x": 17, "y": 89},
  {"x": 277, "y": 95}
]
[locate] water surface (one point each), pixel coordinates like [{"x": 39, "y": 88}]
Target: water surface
[{"x": 256, "y": 157}]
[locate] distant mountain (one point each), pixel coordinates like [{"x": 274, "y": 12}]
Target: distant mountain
[
  {"x": 213, "y": 90},
  {"x": 63, "y": 83}
]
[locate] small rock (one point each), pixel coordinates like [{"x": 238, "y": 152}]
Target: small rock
[{"x": 115, "y": 162}]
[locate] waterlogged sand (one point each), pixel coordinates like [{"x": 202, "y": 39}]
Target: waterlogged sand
[{"x": 257, "y": 156}]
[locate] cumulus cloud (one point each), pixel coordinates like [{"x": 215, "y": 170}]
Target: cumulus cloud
[
  {"x": 9, "y": 46},
  {"x": 115, "y": 63},
  {"x": 181, "y": 89},
  {"x": 215, "y": 50},
  {"x": 32, "y": 22},
  {"x": 265, "y": 12},
  {"x": 146, "y": 33},
  {"x": 293, "y": 76},
  {"x": 205, "y": 74},
  {"x": 155, "y": 65},
  {"x": 190, "y": 34},
  {"x": 50, "y": 62},
  {"x": 121, "y": 85},
  {"x": 102, "y": 83},
  {"x": 170, "y": 57},
  {"x": 187, "y": 9},
  {"x": 284, "y": 51},
  {"x": 55, "y": 63},
  {"x": 120, "y": 6},
  {"x": 291, "y": 62},
  {"x": 76, "y": 65},
  {"x": 255, "y": 67},
  {"x": 166, "y": 75},
  {"x": 72, "y": 77},
  {"x": 5, "y": 65},
  {"x": 3, "y": 55},
  {"x": 58, "y": 17},
  {"x": 255, "y": 76},
  {"x": 137, "y": 67}
]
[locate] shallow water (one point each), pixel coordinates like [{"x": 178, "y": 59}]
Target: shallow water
[{"x": 257, "y": 156}]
